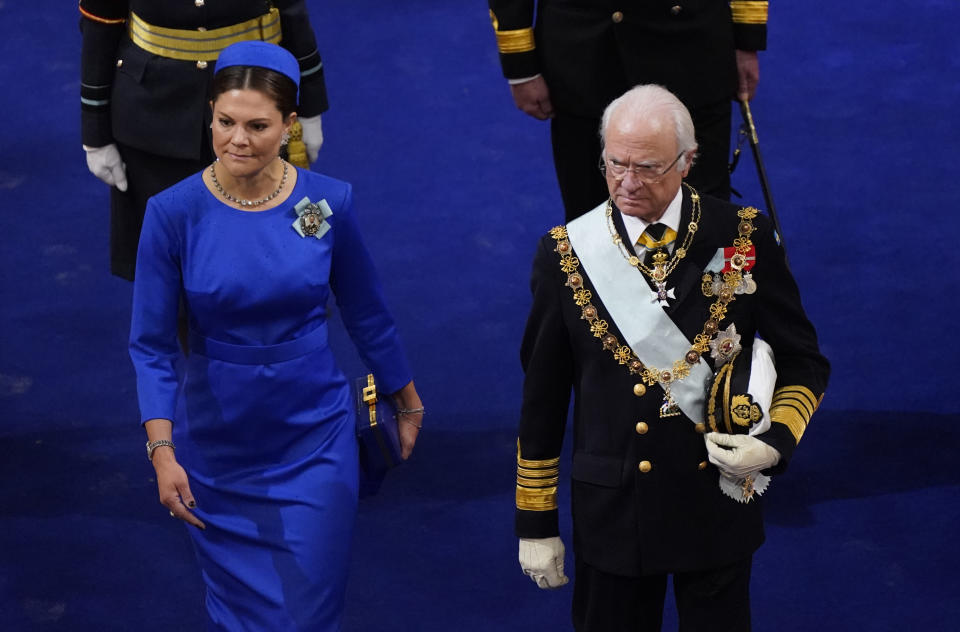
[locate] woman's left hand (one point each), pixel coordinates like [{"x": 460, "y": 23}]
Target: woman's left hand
[{"x": 409, "y": 418}]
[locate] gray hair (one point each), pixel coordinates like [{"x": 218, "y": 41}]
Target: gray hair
[{"x": 654, "y": 103}]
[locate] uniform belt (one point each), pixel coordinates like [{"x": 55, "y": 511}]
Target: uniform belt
[
  {"x": 266, "y": 354},
  {"x": 201, "y": 45}
]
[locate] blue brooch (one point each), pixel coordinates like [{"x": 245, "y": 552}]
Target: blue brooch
[{"x": 312, "y": 218}]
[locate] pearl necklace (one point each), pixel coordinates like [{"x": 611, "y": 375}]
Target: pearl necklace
[{"x": 216, "y": 185}]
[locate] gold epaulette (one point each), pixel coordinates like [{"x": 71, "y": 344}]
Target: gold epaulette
[
  {"x": 793, "y": 406},
  {"x": 749, "y": 11},
  {"x": 513, "y": 41},
  {"x": 537, "y": 483}
]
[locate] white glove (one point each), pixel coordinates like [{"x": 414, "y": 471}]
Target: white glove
[
  {"x": 312, "y": 135},
  {"x": 739, "y": 455},
  {"x": 542, "y": 561},
  {"x": 105, "y": 163}
]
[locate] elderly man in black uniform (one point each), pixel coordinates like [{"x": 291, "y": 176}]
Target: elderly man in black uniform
[
  {"x": 642, "y": 306},
  {"x": 145, "y": 73},
  {"x": 581, "y": 54}
]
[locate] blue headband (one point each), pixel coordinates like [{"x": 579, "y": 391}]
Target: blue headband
[{"x": 262, "y": 55}]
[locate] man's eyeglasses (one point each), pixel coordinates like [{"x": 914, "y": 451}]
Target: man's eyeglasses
[{"x": 648, "y": 174}]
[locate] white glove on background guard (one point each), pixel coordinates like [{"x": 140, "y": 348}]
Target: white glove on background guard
[
  {"x": 105, "y": 163},
  {"x": 739, "y": 455},
  {"x": 312, "y": 135},
  {"x": 542, "y": 561}
]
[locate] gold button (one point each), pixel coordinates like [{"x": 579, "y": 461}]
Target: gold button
[
  {"x": 199, "y": 3},
  {"x": 617, "y": 17},
  {"x": 202, "y": 65},
  {"x": 676, "y": 9},
  {"x": 119, "y": 63},
  {"x": 639, "y": 389},
  {"x": 642, "y": 428},
  {"x": 702, "y": 465},
  {"x": 645, "y": 466},
  {"x": 202, "y": 29},
  {"x": 701, "y": 428}
]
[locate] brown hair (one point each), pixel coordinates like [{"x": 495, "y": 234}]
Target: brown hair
[{"x": 279, "y": 88}]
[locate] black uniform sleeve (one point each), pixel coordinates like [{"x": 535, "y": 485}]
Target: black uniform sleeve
[
  {"x": 547, "y": 361},
  {"x": 513, "y": 26},
  {"x": 102, "y": 24},
  {"x": 298, "y": 37},
  {"x": 802, "y": 371},
  {"x": 749, "y": 24}
]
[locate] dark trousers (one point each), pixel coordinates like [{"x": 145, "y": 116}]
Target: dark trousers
[
  {"x": 716, "y": 600},
  {"x": 147, "y": 175},
  {"x": 576, "y": 157}
]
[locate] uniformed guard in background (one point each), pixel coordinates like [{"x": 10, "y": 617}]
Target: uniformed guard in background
[
  {"x": 145, "y": 73},
  {"x": 579, "y": 55}
]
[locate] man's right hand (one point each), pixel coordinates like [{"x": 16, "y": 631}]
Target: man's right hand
[
  {"x": 542, "y": 561},
  {"x": 105, "y": 163},
  {"x": 533, "y": 97}
]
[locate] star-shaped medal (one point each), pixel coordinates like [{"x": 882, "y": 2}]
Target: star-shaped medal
[{"x": 661, "y": 294}]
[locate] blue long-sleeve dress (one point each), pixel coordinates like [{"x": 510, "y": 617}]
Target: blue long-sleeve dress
[{"x": 262, "y": 417}]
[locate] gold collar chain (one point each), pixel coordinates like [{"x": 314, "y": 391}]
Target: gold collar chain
[
  {"x": 662, "y": 268},
  {"x": 626, "y": 356}
]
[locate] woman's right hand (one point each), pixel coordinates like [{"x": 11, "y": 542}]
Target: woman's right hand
[{"x": 174, "y": 488}]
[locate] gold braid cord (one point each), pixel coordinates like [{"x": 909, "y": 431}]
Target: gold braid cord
[
  {"x": 623, "y": 354},
  {"x": 97, "y": 18},
  {"x": 537, "y": 483}
]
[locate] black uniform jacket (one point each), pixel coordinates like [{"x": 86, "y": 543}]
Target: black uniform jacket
[
  {"x": 161, "y": 105},
  {"x": 672, "y": 517},
  {"x": 592, "y": 51}
]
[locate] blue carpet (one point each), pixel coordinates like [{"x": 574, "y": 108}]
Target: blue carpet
[{"x": 856, "y": 114}]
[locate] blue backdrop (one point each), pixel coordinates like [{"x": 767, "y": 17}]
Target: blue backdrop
[{"x": 856, "y": 115}]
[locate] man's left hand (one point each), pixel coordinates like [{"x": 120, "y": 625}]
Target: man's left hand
[
  {"x": 748, "y": 74},
  {"x": 312, "y": 135},
  {"x": 739, "y": 455}
]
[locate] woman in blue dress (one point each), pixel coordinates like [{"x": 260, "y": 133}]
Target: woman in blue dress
[{"x": 252, "y": 433}]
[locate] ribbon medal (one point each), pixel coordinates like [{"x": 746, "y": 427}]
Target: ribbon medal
[
  {"x": 734, "y": 261},
  {"x": 312, "y": 218}
]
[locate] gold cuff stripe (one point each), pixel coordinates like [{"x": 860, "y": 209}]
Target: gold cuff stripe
[
  {"x": 800, "y": 411},
  {"x": 791, "y": 418},
  {"x": 799, "y": 403},
  {"x": 533, "y": 463},
  {"x": 512, "y": 41},
  {"x": 188, "y": 45},
  {"x": 749, "y": 11},
  {"x": 544, "y": 473},
  {"x": 516, "y": 41},
  {"x": 797, "y": 388},
  {"x": 544, "y": 499},
  {"x": 97, "y": 18},
  {"x": 800, "y": 394},
  {"x": 546, "y": 482}
]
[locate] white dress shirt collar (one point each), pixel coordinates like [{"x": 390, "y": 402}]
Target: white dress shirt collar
[{"x": 671, "y": 217}]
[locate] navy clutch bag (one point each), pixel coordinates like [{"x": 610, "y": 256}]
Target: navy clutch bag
[{"x": 377, "y": 434}]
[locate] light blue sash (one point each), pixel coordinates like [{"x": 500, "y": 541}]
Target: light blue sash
[{"x": 656, "y": 339}]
